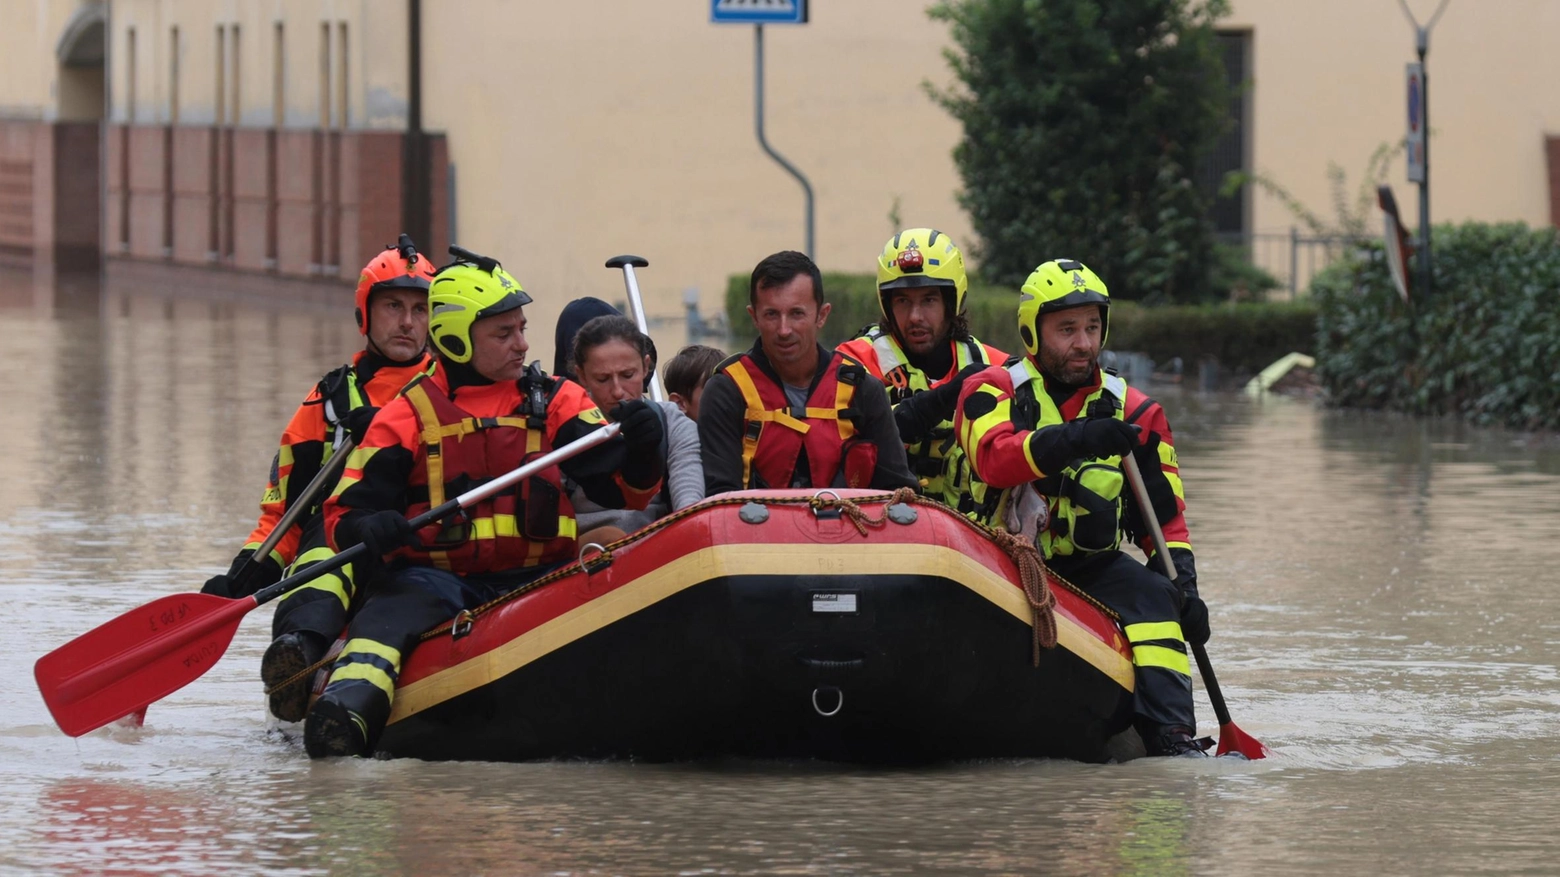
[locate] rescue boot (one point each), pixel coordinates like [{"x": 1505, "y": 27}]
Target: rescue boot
[
  {"x": 1173, "y": 740},
  {"x": 332, "y": 730},
  {"x": 289, "y": 655}
]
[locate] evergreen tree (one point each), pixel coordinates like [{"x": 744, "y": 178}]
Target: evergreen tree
[{"x": 1084, "y": 123}]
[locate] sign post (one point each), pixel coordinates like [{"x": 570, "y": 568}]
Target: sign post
[{"x": 758, "y": 13}]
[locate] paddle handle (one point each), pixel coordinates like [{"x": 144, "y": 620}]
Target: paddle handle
[
  {"x": 440, "y": 512},
  {"x": 1146, "y": 510},
  {"x": 636, "y": 306},
  {"x": 300, "y": 504}
]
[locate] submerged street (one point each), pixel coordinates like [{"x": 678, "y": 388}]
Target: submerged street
[{"x": 1383, "y": 608}]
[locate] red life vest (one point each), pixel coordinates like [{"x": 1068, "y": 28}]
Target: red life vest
[
  {"x": 524, "y": 527},
  {"x": 775, "y": 435}
]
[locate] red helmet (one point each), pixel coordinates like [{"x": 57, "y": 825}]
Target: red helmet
[{"x": 397, "y": 267}]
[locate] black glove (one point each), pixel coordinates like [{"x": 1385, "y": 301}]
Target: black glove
[
  {"x": 243, "y": 578},
  {"x": 1106, "y": 437},
  {"x": 1194, "y": 619},
  {"x": 384, "y": 532},
  {"x": 641, "y": 423},
  {"x": 357, "y": 421},
  {"x": 947, "y": 395}
]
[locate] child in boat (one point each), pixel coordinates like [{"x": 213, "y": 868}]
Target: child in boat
[
  {"x": 686, "y": 373},
  {"x": 612, "y": 360}
]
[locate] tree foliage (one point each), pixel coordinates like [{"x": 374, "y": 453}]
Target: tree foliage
[{"x": 1084, "y": 122}]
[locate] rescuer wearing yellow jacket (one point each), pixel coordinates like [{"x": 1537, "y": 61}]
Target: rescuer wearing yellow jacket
[
  {"x": 391, "y": 308},
  {"x": 922, "y": 351},
  {"x": 1055, "y": 420},
  {"x": 479, "y": 415}
]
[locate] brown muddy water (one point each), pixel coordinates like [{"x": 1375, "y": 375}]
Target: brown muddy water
[{"x": 1384, "y": 601}]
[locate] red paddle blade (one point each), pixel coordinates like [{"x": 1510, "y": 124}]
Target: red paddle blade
[
  {"x": 1233, "y": 739},
  {"x": 136, "y": 659}
]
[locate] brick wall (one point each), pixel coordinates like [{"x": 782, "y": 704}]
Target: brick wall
[{"x": 49, "y": 189}]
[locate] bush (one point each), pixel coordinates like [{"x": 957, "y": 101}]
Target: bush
[
  {"x": 1084, "y": 124},
  {"x": 1243, "y": 337},
  {"x": 1485, "y": 347}
]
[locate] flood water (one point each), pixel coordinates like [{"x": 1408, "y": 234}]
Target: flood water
[{"x": 1384, "y": 603}]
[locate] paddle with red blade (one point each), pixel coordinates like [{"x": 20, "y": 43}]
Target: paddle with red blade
[
  {"x": 152, "y": 651},
  {"x": 1231, "y": 738},
  {"x": 149, "y": 617}
]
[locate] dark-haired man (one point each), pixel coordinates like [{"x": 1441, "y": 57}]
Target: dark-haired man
[
  {"x": 923, "y": 351},
  {"x": 789, "y": 412}
]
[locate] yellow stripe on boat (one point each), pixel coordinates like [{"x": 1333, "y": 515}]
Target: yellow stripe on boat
[{"x": 760, "y": 559}]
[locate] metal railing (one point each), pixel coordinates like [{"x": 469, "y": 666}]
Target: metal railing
[{"x": 1292, "y": 257}]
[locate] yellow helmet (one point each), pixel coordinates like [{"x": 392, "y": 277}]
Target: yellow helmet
[
  {"x": 463, "y": 292},
  {"x": 1056, "y": 286},
  {"x": 921, "y": 257}
]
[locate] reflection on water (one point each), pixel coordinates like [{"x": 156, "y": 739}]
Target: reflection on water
[{"x": 1380, "y": 589}]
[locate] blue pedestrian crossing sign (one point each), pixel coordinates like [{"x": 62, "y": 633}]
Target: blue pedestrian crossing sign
[{"x": 758, "y": 11}]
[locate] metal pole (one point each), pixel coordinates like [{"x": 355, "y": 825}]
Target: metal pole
[
  {"x": 758, "y": 126},
  {"x": 416, "y": 194},
  {"x": 1423, "y": 45}
]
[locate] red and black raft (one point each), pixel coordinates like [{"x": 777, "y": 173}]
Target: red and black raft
[{"x": 840, "y": 626}]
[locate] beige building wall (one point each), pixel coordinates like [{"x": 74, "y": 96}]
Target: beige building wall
[
  {"x": 579, "y": 131},
  {"x": 279, "y": 63},
  {"x": 30, "y": 70},
  {"x": 1328, "y": 85}
]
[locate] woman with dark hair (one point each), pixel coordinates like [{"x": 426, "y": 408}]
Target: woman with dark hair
[
  {"x": 613, "y": 360},
  {"x": 575, "y": 315}
]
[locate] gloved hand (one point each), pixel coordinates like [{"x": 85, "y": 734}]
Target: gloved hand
[
  {"x": 384, "y": 532},
  {"x": 947, "y": 395},
  {"x": 641, "y": 424},
  {"x": 243, "y": 577},
  {"x": 1194, "y": 620},
  {"x": 357, "y": 420},
  {"x": 1107, "y": 437}
]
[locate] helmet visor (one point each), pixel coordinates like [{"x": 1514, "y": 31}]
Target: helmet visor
[
  {"x": 1074, "y": 299},
  {"x": 911, "y": 281}
]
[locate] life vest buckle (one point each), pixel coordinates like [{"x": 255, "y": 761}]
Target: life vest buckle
[{"x": 461, "y": 625}]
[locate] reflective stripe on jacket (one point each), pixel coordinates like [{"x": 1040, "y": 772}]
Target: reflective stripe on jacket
[{"x": 775, "y": 434}]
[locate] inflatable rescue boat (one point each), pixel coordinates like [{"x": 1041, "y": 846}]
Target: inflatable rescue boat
[{"x": 844, "y": 625}]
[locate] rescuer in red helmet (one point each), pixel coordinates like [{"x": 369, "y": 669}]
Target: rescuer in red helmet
[{"x": 391, "y": 309}]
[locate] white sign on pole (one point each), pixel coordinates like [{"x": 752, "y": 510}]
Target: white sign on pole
[
  {"x": 1414, "y": 143},
  {"x": 758, "y": 11}
]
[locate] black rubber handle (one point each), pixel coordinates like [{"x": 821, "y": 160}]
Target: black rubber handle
[{"x": 620, "y": 261}]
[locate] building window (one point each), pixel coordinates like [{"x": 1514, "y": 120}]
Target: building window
[
  {"x": 221, "y": 73},
  {"x": 343, "y": 103},
  {"x": 325, "y": 74},
  {"x": 1232, "y": 151},
  {"x": 130, "y": 75},
  {"x": 278, "y": 80},
  {"x": 236, "y": 67},
  {"x": 173, "y": 76}
]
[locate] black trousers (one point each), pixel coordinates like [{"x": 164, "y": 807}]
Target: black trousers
[{"x": 1150, "y": 608}]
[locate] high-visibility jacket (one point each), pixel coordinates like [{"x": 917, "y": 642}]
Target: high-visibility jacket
[
  {"x": 775, "y": 434},
  {"x": 1085, "y": 498},
  {"x": 936, "y": 459},
  {"x": 432, "y": 444},
  {"x": 315, "y": 432}
]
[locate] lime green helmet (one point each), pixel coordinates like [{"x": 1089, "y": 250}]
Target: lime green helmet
[
  {"x": 1056, "y": 286},
  {"x": 921, "y": 257},
  {"x": 463, "y": 292}
]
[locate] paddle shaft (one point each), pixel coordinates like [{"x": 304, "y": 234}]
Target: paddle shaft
[
  {"x": 636, "y": 305},
  {"x": 450, "y": 507},
  {"x": 125, "y": 662},
  {"x": 1146, "y": 509},
  {"x": 300, "y": 504}
]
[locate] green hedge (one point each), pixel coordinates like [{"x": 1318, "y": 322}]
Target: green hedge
[
  {"x": 1244, "y": 337},
  {"x": 1486, "y": 346}
]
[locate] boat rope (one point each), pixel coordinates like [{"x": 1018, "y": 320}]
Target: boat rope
[{"x": 1032, "y": 573}]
